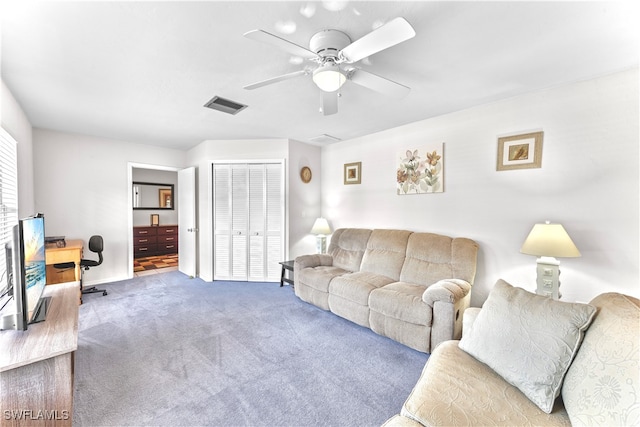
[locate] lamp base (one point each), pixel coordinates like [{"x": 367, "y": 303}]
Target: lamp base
[
  {"x": 321, "y": 244},
  {"x": 548, "y": 280}
]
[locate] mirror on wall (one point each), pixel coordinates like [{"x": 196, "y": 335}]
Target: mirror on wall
[{"x": 151, "y": 195}]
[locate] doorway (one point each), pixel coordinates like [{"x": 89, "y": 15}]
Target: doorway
[{"x": 154, "y": 220}]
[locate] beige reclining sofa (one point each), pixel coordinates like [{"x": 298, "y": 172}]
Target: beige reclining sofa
[
  {"x": 408, "y": 286},
  {"x": 527, "y": 360}
]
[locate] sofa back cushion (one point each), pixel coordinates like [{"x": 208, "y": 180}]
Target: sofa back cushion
[
  {"x": 347, "y": 247},
  {"x": 602, "y": 384},
  {"x": 385, "y": 253},
  {"x": 528, "y": 339},
  {"x": 432, "y": 257}
]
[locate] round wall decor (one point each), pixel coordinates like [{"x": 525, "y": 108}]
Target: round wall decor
[{"x": 305, "y": 174}]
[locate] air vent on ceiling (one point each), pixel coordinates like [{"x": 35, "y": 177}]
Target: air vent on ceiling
[
  {"x": 225, "y": 105},
  {"x": 324, "y": 139}
]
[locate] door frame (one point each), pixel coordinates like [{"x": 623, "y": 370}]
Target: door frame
[{"x": 130, "y": 167}]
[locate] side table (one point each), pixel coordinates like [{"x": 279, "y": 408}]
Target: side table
[{"x": 286, "y": 265}]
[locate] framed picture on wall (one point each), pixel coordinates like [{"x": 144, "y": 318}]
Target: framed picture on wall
[
  {"x": 520, "y": 151},
  {"x": 352, "y": 173},
  {"x": 420, "y": 170}
]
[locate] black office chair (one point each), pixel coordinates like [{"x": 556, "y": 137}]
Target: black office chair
[{"x": 96, "y": 245}]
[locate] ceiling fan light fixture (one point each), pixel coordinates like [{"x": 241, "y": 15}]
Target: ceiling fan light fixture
[{"x": 329, "y": 77}]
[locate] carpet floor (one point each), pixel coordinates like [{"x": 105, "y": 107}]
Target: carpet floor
[{"x": 166, "y": 350}]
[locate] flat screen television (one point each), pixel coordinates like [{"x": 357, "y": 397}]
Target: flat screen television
[{"x": 27, "y": 274}]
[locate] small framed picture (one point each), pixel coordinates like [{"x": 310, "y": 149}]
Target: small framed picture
[
  {"x": 520, "y": 151},
  {"x": 155, "y": 219},
  {"x": 352, "y": 173}
]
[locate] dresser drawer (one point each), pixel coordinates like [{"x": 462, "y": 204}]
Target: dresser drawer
[
  {"x": 168, "y": 239},
  {"x": 168, "y": 248},
  {"x": 145, "y": 231},
  {"x": 145, "y": 250},
  {"x": 167, "y": 230},
  {"x": 144, "y": 240}
]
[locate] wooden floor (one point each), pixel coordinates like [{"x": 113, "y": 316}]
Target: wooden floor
[{"x": 155, "y": 264}]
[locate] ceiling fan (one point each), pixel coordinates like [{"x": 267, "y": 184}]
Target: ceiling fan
[{"x": 333, "y": 52}]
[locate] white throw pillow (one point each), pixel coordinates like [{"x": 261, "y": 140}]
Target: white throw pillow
[{"x": 528, "y": 339}]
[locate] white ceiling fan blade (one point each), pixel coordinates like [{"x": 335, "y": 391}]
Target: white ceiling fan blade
[
  {"x": 379, "y": 84},
  {"x": 329, "y": 103},
  {"x": 390, "y": 34},
  {"x": 286, "y": 45},
  {"x": 276, "y": 79}
]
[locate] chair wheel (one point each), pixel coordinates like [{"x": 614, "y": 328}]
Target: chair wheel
[{"x": 104, "y": 293}]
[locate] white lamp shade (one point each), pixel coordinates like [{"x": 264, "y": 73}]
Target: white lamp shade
[
  {"x": 329, "y": 77},
  {"x": 321, "y": 226},
  {"x": 550, "y": 240}
]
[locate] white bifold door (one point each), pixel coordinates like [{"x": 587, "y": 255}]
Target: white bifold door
[{"x": 248, "y": 221}]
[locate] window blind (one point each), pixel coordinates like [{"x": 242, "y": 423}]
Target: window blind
[{"x": 8, "y": 197}]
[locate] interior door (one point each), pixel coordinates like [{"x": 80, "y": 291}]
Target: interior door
[{"x": 187, "y": 236}]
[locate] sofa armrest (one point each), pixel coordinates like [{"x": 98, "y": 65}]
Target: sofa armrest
[
  {"x": 448, "y": 290},
  {"x": 470, "y": 315},
  {"x": 316, "y": 260},
  {"x": 448, "y": 299}
]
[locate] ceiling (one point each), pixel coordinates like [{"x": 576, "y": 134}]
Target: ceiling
[{"x": 142, "y": 71}]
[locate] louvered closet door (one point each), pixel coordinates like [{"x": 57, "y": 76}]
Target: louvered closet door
[
  {"x": 239, "y": 221},
  {"x": 222, "y": 222},
  {"x": 256, "y": 222},
  {"x": 230, "y": 220},
  {"x": 248, "y": 221},
  {"x": 274, "y": 220}
]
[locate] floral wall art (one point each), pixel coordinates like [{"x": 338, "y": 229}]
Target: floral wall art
[{"x": 421, "y": 170}]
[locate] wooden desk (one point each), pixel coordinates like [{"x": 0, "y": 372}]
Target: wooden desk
[
  {"x": 36, "y": 365},
  {"x": 54, "y": 255}
]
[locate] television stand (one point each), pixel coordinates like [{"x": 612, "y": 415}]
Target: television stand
[{"x": 36, "y": 365}]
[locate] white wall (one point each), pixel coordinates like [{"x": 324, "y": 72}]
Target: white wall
[
  {"x": 303, "y": 201},
  {"x": 82, "y": 187},
  {"x": 16, "y": 123},
  {"x": 588, "y": 182}
]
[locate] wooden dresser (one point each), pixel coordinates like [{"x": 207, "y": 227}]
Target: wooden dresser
[{"x": 155, "y": 240}]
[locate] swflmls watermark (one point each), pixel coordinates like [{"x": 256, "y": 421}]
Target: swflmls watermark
[{"x": 31, "y": 415}]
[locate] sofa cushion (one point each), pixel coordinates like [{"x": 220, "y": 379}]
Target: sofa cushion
[
  {"x": 347, "y": 247},
  {"x": 319, "y": 277},
  {"x": 357, "y": 286},
  {"x": 432, "y": 257},
  {"x": 349, "y": 295},
  {"x": 401, "y": 421},
  {"x": 402, "y": 301},
  {"x": 457, "y": 390},
  {"x": 603, "y": 383},
  {"x": 528, "y": 339},
  {"x": 385, "y": 253}
]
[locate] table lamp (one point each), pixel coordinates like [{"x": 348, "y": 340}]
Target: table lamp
[
  {"x": 321, "y": 229},
  {"x": 548, "y": 241}
]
